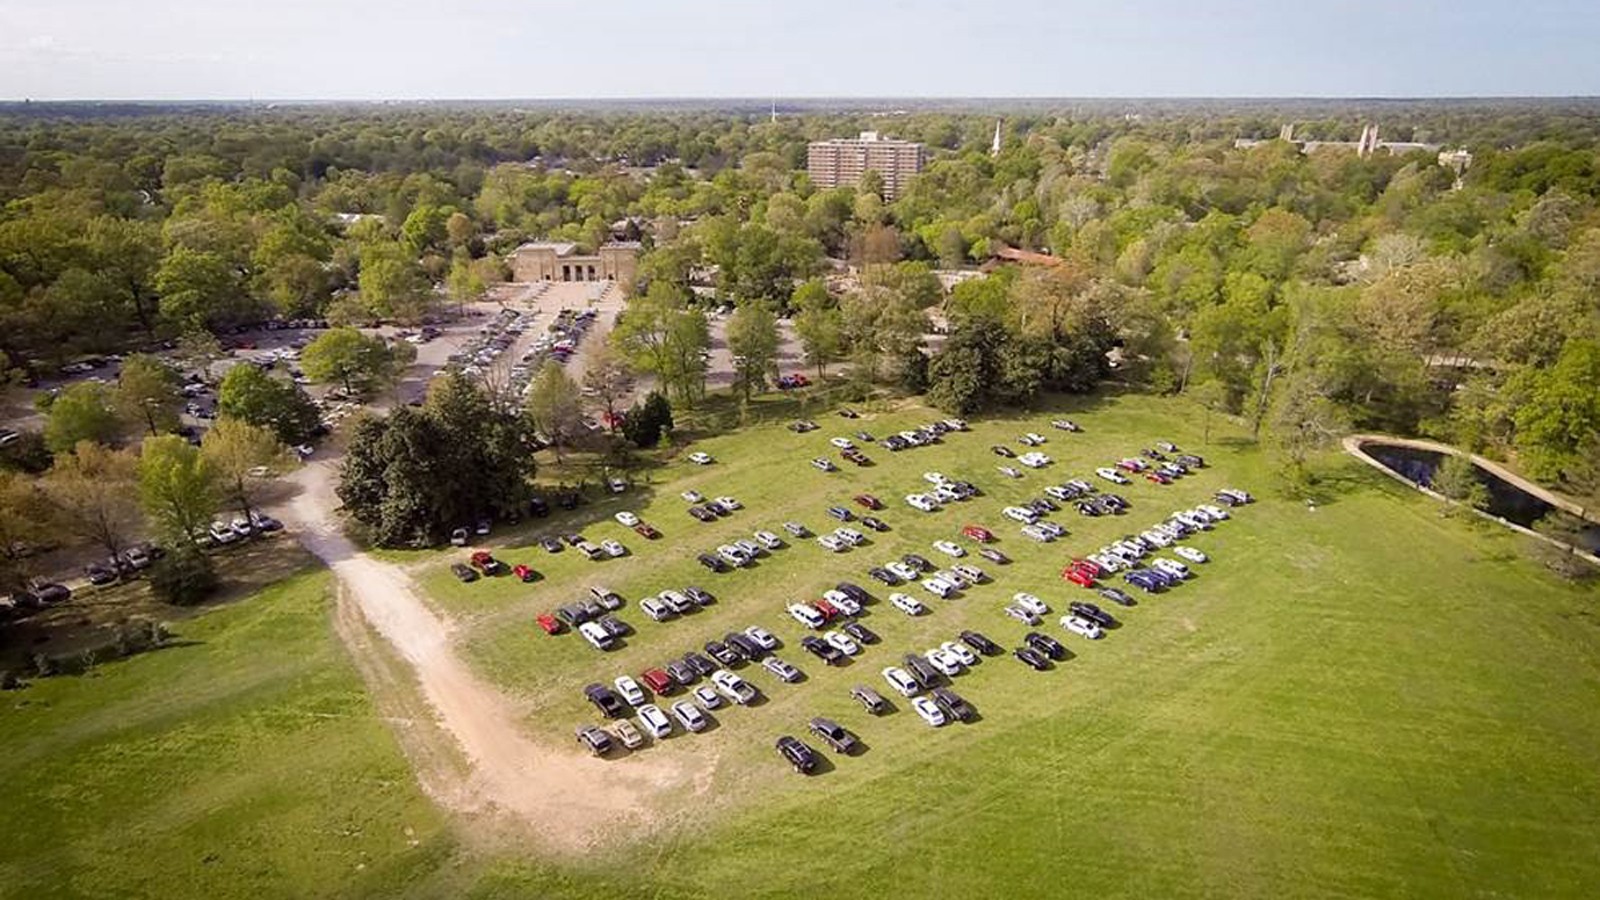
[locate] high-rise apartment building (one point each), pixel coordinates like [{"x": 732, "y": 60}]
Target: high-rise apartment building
[{"x": 842, "y": 161}]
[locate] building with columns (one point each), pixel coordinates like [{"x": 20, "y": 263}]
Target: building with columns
[{"x": 560, "y": 261}]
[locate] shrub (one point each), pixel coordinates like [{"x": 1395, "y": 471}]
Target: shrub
[{"x": 184, "y": 577}]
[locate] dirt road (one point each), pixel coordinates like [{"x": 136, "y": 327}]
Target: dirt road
[{"x": 569, "y": 799}]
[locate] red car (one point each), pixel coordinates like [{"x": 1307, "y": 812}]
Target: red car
[
  {"x": 1078, "y": 577},
  {"x": 645, "y": 529},
  {"x": 524, "y": 573},
  {"x": 978, "y": 533},
  {"x": 1131, "y": 465},
  {"x": 869, "y": 501},
  {"x": 1157, "y": 477},
  {"x": 828, "y": 610},
  {"x": 657, "y": 680},
  {"x": 485, "y": 562},
  {"x": 548, "y": 623},
  {"x": 1089, "y": 566}
]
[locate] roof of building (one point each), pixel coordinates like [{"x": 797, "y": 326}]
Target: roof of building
[
  {"x": 621, "y": 245},
  {"x": 562, "y": 248}
]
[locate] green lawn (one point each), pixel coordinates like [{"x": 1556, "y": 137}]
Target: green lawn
[
  {"x": 1366, "y": 699},
  {"x": 1360, "y": 699},
  {"x": 245, "y": 762}
]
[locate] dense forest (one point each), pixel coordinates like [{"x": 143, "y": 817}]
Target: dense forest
[{"x": 1309, "y": 292}]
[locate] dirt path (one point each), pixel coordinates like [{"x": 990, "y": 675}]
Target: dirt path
[{"x": 569, "y": 799}]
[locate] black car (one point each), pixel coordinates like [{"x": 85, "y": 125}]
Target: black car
[
  {"x": 1089, "y": 508},
  {"x": 568, "y": 500},
  {"x": 598, "y": 740},
  {"x": 1093, "y": 613},
  {"x": 954, "y": 704},
  {"x": 875, "y": 523},
  {"x": 865, "y": 436},
  {"x": 550, "y": 544},
  {"x": 714, "y": 563},
  {"x": 1032, "y": 658},
  {"x": 573, "y": 614},
  {"x": 860, "y": 632},
  {"x": 840, "y": 513},
  {"x": 1191, "y": 461},
  {"x": 722, "y": 653},
  {"x": 572, "y": 540},
  {"x": 747, "y": 648},
  {"x": 1003, "y": 450},
  {"x": 1115, "y": 501},
  {"x": 701, "y": 514},
  {"x": 980, "y": 643},
  {"x": 682, "y": 672},
  {"x": 1042, "y": 505},
  {"x": 854, "y": 592},
  {"x": 1117, "y": 596},
  {"x": 463, "y": 572},
  {"x": 605, "y": 700},
  {"x": 884, "y": 575},
  {"x": 869, "y": 699},
  {"x": 821, "y": 649},
  {"x": 1227, "y": 499},
  {"x": 699, "y": 596},
  {"x": 702, "y": 666},
  {"x": 718, "y": 509},
  {"x": 920, "y": 669},
  {"x": 917, "y": 562},
  {"x": 833, "y": 734},
  {"x": 1045, "y": 644},
  {"x": 538, "y": 508},
  {"x": 99, "y": 575},
  {"x": 614, "y": 626},
  {"x": 994, "y": 555},
  {"x": 802, "y": 758}
]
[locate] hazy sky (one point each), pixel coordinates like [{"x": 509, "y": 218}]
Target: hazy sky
[{"x": 338, "y": 49}]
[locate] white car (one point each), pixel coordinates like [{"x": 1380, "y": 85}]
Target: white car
[
  {"x": 762, "y": 637},
  {"x": 952, "y": 577},
  {"x": 903, "y": 571},
  {"x": 692, "y": 496},
  {"x": 901, "y": 681},
  {"x": 626, "y": 519},
  {"x": 946, "y": 494},
  {"x": 733, "y": 555},
  {"x": 1034, "y": 460},
  {"x": 830, "y": 542},
  {"x": 842, "y": 643},
  {"x": 1035, "y": 437},
  {"x": 907, "y": 604},
  {"x": 689, "y": 716},
  {"x": 1009, "y": 472},
  {"x": 1191, "y": 554},
  {"x": 751, "y": 548},
  {"x": 1020, "y": 514},
  {"x": 613, "y": 549},
  {"x": 961, "y": 652},
  {"x": 1108, "y": 561},
  {"x": 701, "y": 459},
  {"x": 1057, "y": 492},
  {"x": 223, "y": 533},
  {"x": 843, "y": 603},
  {"x": 729, "y": 502},
  {"x": 971, "y": 573},
  {"x": 768, "y": 540},
  {"x": 1157, "y": 538},
  {"x": 807, "y": 615},
  {"x": 630, "y": 690},
  {"x": 1081, "y": 626},
  {"x": 922, "y": 502},
  {"x": 842, "y": 443},
  {"x": 1039, "y": 534},
  {"x": 733, "y": 687},
  {"x": 825, "y": 465},
  {"x": 1050, "y": 528},
  {"x": 849, "y": 535},
  {"x": 945, "y": 662},
  {"x": 707, "y": 696},
  {"x": 1030, "y": 603},
  {"x": 949, "y": 548},
  {"x": 938, "y": 587},
  {"x": 929, "y": 711},
  {"x": 935, "y": 478},
  {"x": 655, "y": 609},
  {"x": 1171, "y": 567},
  {"x": 1111, "y": 475},
  {"x": 654, "y": 720}
]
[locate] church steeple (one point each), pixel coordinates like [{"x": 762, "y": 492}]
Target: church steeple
[{"x": 994, "y": 148}]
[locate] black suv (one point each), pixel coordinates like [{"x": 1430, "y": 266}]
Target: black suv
[
  {"x": 920, "y": 563},
  {"x": 1045, "y": 644},
  {"x": 1033, "y": 658},
  {"x": 821, "y": 649},
  {"x": 702, "y": 666},
  {"x": 920, "y": 669},
  {"x": 833, "y": 734},
  {"x": 713, "y": 563},
  {"x": 840, "y": 513},
  {"x": 802, "y": 758},
  {"x": 1117, "y": 596},
  {"x": 1093, "y": 613},
  {"x": 744, "y": 645},
  {"x": 596, "y": 739},
  {"x": 722, "y": 653},
  {"x": 854, "y": 592},
  {"x": 980, "y": 643},
  {"x": 605, "y": 700},
  {"x": 860, "y": 632},
  {"x": 954, "y": 704}
]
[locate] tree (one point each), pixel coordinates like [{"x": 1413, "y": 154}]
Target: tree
[
  {"x": 660, "y": 334},
  {"x": 236, "y": 454},
  {"x": 92, "y": 490},
  {"x": 608, "y": 380},
  {"x": 354, "y": 360},
  {"x": 176, "y": 489},
  {"x": 147, "y": 393},
  {"x": 648, "y": 420},
  {"x": 1457, "y": 478},
  {"x": 753, "y": 340},
  {"x": 83, "y": 412},
  {"x": 392, "y": 286},
  {"x": 199, "y": 350},
  {"x": 184, "y": 577},
  {"x": 251, "y": 395},
  {"x": 199, "y": 289},
  {"x": 555, "y": 405},
  {"x": 22, "y": 518},
  {"x": 1560, "y": 417}
]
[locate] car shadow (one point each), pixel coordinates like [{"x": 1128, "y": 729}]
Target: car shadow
[
  {"x": 860, "y": 749},
  {"x": 823, "y": 764}
]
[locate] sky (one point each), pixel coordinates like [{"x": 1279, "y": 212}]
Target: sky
[{"x": 505, "y": 49}]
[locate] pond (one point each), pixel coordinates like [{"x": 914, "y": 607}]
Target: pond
[{"x": 1506, "y": 500}]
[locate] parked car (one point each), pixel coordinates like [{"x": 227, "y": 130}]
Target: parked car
[
  {"x": 994, "y": 555},
  {"x": 980, "y": 643},
  {"x": 1081, "y": 627},
  {"x": 524, "y": 573},
  {"x": 596, "y": 739},
  {"x": 954, "y": 704},
  {"x": 733, "y": 687},
  {"x": 689, "y": 716},
  {"x": 907, "y": 604},
  {"x": 701, "y": 459},
  {"x": 783, "y": 670},
  {"x": 1032, "y": 658},
  {"x": 901, "y": 681},
  {"x": 949, "y": 548},
  {"x": 833, "y": 734},
  {"x": 929, "y": 711},
  {"x": 799, "y": 756},
  {"x": 605, "y": 700},
  {"x": 463, "y": 572},
  {"x": 869, "y": 699},
  {"x": 654, "y": 720}
]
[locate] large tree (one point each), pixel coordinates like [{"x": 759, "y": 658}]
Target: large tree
[
  {"x": 254, "y": 396},
  {"x": 358, "y": 362},
  {"x": 754, "y": 341},
  {"x": 555, "y": 405},
  {"x": 608, "y": 380},
  {"x": 176, "y": 489},
  {"x": 147, "y": 394},
  {"x": 239, "y": 458},
  {"x": 83, "y": 412},
  {"x": 92, "y": 491}
]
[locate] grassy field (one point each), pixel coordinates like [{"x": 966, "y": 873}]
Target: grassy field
[
  {"x": 246, "y": 761},
  {"x": 1355, "y": 699},
  {"x": 1361, "y": 699}
]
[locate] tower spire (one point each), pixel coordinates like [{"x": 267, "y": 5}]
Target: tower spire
[{"x": 994, "y": 148}]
